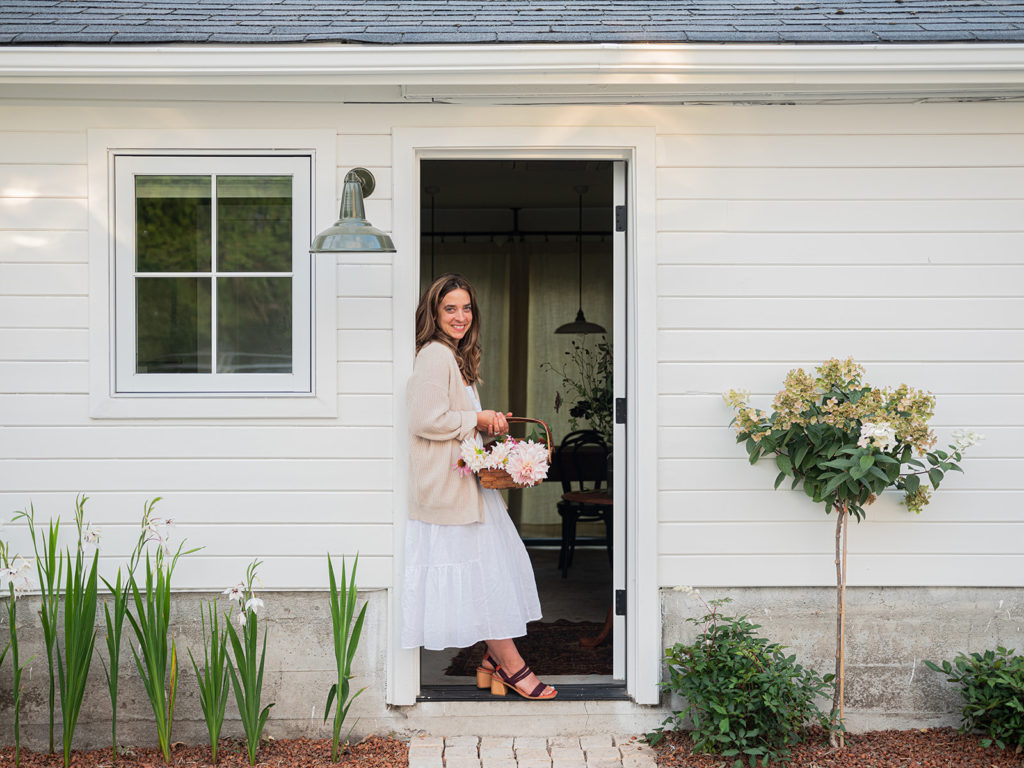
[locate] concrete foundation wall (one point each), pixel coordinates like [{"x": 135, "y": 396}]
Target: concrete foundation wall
[
  {"x": 890, "y": 631},
  {"x": 298, "y": 674}
]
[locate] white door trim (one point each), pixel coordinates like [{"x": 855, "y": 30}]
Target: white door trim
[{"x": 637, "y": 147}]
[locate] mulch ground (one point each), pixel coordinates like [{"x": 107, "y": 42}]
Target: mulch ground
[
  {"x": 925, "y": 748},
  {"x": 372, "y": 752},
  {"x": 929, "y": 748}
]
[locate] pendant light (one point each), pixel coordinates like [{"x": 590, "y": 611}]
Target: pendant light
[{"x": 580, "y": 324}]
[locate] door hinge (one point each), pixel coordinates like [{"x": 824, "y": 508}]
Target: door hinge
[
  {"x": 620, "y": 602},
  {"x": 620, "y": 410},
  {"x": 620, "y": 218}
]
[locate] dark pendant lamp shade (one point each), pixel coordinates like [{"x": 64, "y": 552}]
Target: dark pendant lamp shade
[
  {"x": 352, "y": 232},
  {"x": 580, "y": 325}
]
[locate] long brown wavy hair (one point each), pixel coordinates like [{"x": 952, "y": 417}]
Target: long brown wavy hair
[{"x": 467, "y": 349}]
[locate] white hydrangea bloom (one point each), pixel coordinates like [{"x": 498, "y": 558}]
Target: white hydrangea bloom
[
  {"x": 880, "y": 435},
  {"x": 964, "y": 439}
]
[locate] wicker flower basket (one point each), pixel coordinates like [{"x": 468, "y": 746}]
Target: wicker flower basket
[{"x": 499, "y": 479}]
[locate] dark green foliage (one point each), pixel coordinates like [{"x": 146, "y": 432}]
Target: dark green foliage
[
  {"x": 346, "y": 640},
  {"x": 993, "y": 693},
  {"x": 213, "y": 679},
  {"x": 746, "y": 698},
  {"x": 587, "y": 380},
  {"x": 121, "y": 593},
  {"x": 79, "y": 632},
  {"x": 247, "y": 667},
  {"x": 157, "y": 664}
]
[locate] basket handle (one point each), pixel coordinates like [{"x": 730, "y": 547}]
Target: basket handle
[{"x": 547, "y": 430}]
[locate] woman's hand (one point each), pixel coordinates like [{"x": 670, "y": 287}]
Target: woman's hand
[{"x": 492, "y": 422}]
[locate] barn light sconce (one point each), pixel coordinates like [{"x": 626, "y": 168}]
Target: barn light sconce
[
  {"x": 352, "y": 232},
  {"x": 580, "y": 325}
]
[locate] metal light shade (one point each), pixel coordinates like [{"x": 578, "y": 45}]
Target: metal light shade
[
  {"x": 352, "y": 232},
  {"x": 580, "y": 324}
]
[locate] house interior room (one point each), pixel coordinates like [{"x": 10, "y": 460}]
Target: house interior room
[{"x": 534, "y": 237}]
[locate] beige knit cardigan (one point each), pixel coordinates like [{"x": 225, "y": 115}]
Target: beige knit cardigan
[{"x": 441, "y": 416}]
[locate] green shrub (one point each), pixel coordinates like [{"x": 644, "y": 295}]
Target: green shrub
[
  {"x": 745, "y": 697},
  {"x": 993, "y": 693}
]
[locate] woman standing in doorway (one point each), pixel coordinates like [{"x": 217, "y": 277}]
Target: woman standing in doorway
[{"x": 467, "y": 574}]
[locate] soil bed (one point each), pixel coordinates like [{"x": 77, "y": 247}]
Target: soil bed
[
  {"x": 372, "y": 752},
  {"x": 928, "y": 748},
  {"x": 925, "y": 748}
]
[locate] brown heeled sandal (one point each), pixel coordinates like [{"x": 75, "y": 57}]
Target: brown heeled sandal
[
  {"x": 500, "y": 682},
  {"x": 483, "y": 674}
]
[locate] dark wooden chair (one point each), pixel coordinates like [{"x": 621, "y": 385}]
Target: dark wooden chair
[{"x": 582, "y": 462}]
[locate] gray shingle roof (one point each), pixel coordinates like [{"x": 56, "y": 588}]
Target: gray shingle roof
[{"x": 52, "y": 22}]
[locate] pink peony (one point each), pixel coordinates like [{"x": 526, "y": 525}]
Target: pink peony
[{"x": 528, "y": 463}]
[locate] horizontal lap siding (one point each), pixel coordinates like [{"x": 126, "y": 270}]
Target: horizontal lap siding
[
  {"x": 284, "y": 491},
  {"x": 784, "y": 235},
  {"x": 812, "y": 233}
]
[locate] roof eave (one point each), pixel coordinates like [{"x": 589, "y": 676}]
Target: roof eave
[{"x": 466, "y": 72}]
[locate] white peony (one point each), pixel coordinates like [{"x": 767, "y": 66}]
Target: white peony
[
  {"x": 499, "y": 454},
  {"x": 476, "y": 458}
]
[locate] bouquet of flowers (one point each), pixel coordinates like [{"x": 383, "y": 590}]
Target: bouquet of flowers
[{"x": 525, "y": 461}]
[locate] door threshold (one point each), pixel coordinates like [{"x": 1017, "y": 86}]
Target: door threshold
[{"x": 566, "y": 692}]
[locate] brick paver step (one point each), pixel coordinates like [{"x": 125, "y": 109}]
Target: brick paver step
[{"x": 588, "y": 751}]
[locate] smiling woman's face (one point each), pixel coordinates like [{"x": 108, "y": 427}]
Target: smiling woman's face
[{"x": 455, "y": 314}]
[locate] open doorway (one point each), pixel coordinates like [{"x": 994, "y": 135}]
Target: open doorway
[{"x": 535, "y": 237}]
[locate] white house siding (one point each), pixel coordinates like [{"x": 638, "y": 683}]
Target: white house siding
[
  {"x": 786, "y": 235},
  {"x": 894, "y": 234},
  {"x": 285, "y": 491}
]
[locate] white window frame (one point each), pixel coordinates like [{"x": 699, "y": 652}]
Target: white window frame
[
  {"x": 115, "y": 390},
  {"x": 127, "y": 378}
]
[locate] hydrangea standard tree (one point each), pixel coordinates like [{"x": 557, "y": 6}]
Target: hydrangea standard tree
[{"x": 845, "y": 442}]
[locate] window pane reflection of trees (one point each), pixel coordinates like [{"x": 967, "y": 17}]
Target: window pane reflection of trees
[
  {"x": 254, "y": 325},
  {"x": 175, "y": 233},
  {"x": 173, "y": 325}
]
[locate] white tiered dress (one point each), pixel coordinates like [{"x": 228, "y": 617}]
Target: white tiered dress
[{"x": 466, "y": 583}]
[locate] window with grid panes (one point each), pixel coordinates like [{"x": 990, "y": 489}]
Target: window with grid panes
[{"x": 212, "y": 274}]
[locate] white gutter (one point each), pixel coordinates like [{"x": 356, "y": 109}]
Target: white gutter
[{"x": 482, "y": 71}]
